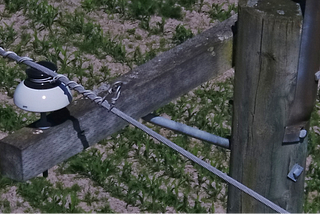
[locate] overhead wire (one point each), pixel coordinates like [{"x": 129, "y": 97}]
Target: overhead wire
[{"x": 110, "y": 107}]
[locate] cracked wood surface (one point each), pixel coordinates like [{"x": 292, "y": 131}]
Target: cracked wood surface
[
  {"x": 268, "y": 46},
  {"x": 26, "y": 153}
]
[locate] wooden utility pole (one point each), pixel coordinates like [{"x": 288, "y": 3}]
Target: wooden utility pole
[{"x": 269, "y": 111}]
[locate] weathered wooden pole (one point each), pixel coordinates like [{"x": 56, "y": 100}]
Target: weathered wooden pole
[{"x": 270, "y": 74}]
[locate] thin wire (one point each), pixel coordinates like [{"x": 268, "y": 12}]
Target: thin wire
[{"x": 99, "y": 100}]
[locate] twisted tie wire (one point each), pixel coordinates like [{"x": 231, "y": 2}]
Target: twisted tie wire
[
  {"x": 79, "y": 88},
  {"x": 101, "y": 101},
  {"x": 57, "y": 77}
]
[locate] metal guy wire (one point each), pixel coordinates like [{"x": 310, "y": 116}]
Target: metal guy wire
[{"x": 99, "y": 100}]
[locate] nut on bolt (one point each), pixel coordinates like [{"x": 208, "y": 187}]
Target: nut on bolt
[{"x": 303, "y": 133}]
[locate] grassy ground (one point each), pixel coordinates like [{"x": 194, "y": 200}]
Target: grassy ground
[{"x": 92, "y": 42}]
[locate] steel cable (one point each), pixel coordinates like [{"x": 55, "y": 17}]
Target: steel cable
[{"x": 99, "y": 100}]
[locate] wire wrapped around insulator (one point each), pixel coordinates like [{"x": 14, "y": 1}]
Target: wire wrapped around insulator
[{"x": 80, "y": 89}]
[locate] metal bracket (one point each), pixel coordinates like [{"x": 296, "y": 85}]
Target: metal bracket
[
  {"x": 114, "y": 90},
  {"x": 307, "y": 76},
  {"x": 295, "y": 172},
  {"x": 294, "y": 134}
]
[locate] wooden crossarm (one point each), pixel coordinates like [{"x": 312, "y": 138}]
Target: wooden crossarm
[{"x": 27, "y": 153}]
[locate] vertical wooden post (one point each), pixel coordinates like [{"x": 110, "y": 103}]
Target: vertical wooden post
[{"x": 268, "y": 46}]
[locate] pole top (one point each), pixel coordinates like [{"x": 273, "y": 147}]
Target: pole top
[{"x": 279, "y": 8}]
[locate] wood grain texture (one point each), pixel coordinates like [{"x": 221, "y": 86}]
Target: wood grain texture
[
  {"x": 268, "y": 44},
  {"x": 23, "y": 155}
]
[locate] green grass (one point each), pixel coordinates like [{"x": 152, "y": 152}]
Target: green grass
[
  {"x": 41, "y": 194},
  {"x": 10, "y": 76},
  {"x": 14, "y": 6},
  {"x": 130, "y": 165},
  {"x": 312, "y": 196},
  {"x": 181, "y": 35},
  {"x": 7, "y": 35},
  {"x": 152, "y": 176},
  {"x": 217, "y": 11},
  {"x": 41, "y": 13},
  {"x": 12, "y": 119}
]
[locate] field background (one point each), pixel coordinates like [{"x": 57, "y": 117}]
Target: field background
[{"x": 94, "y": 41}]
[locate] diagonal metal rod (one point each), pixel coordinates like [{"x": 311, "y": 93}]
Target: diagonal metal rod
[
  {"x": 188, "y": 130},
  {"x": 105, "y": 104}
]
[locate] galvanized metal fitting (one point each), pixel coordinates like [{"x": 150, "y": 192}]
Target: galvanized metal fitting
[
  {"x": 295, "y": 172},
  {"x": 295, "y": 133},
  {"x": 303, "y": 133}
]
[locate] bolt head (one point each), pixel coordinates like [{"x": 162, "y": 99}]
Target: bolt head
[
  {"x": 296, "y": 173},
  {"x": 303, "y": 133}
]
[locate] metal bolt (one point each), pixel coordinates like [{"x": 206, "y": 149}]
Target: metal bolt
[
  {"x": 295, "y": 172},
  {"x": 303, "y": 133},
  {"x": 317, "y": 75}
]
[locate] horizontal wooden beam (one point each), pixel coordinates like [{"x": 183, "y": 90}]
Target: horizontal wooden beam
[{"x": 27, "y": 152}]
